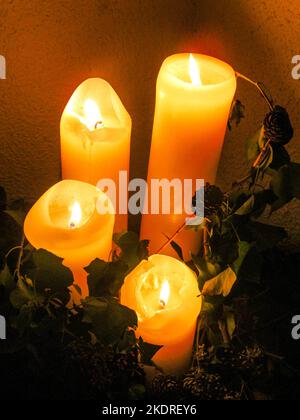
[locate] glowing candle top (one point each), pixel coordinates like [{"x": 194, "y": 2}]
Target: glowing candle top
[{"x": 95, "y": 113}]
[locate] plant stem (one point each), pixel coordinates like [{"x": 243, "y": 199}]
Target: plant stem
[
  {"x": 205, "y": 240},
  {"x": 224, "y": 331},
  {"x": 18, "y": 268},
  {"x": 256, "y": 84},
  {"x": 171, "y": 239},
  {"x": 261, "y": 155}
]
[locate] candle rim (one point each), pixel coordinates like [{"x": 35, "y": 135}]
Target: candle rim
[
  {"x": 120, "y": 112},
  {"x": 169, "y": 61},
  {"x": 85, "y": 235}
]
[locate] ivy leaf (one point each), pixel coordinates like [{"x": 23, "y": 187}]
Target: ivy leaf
[
  {"x": 6, "y": 279},
  {"x": 282, "y": 186},
  {"x": 244, "y": 249},
  {"x": 266, "y": 236},
  {"x": 221, "y": 284},
  {"x": 106, "y": 278},
  {"x": 49, "y": 272},
  {"x": 177, "y": 248},
  {"x": 237, "y": 113},
  {"x": 247, "y": 207},
  {"x": 23, "y": 294},
  {"x": 109, "y": 319},
  {"x": 133, "y": 251},
  {"x": 137, "y": 392},
  {"x": 230, "y": 321},
  {"x": 17, "y": 211},
  {"x": 206, "y": 270},
  {"x": 254, "y": 145},
  {"x": 148, "y": 351},
  {"x": 280, "y": 156},
  {"x": 24, "y": 318}
]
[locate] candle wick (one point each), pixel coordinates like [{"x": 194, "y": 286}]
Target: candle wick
[
  {"x": 99, "y": 124},
  {"x": 162, "y": 304},
  {"x": 72, "y": 225}
]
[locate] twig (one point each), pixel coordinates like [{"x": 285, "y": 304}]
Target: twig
[
  {"x": 205, "y": 240},
  {"x": 18, "y": 268},
  {"x": 261, "y": 156},
  {"x": 171, "y": 239},
  {"x": 256, "y": 84},
  {"x": 224, "y": 332}
]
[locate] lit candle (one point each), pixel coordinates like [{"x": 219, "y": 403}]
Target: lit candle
[
  {"x": 164, "y": 293},
  {"x": 66, "y": 222},
  {"x": 193, "y": 100},
  {"x": 95, "y": 138}
]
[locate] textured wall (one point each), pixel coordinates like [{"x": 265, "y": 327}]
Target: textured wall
[{"x": 51, "y": 46}]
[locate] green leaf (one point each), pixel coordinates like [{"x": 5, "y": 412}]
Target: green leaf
[
  {"x": 244, "y": 249},
  {"x": 253, "y": 145},
  {"x": 237, "y": 113},
  {"x": 133, "y": 251},
  {"x": 23, "y": 294},
  {"x": 247, "y": 207},
  {"x": 205, "y": 268},
  {"x": 251, "y": 269},
  {"x": 49, "y": 272},
  {"x": 6, "y": 279},
  {"x": 93, "y": 307},
  {"x": 221, "y": 284},
  {"x": 282, "y": 186},
  {"x": 24, "y": 319},
  {"x": 17, "y": 211},
  {"x": 17, "y": 215},
  {"x": 280, "y": 157},
  {"x": 137, "y": 392},
  {"x": 266, "y": 236},
  {"x": 148, "y": 351},
  {"x": 109, "y": 319},
  {"x": 106, "y": 278},
  {"x": 230, "y": 321}
]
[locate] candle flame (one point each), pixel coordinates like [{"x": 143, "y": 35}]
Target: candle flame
[
  {"x": 76, "y": 215},
  {"x": 165, "y": 293},
  {"x": 93, "y": 117},
  {"x": 195, "y": 72}
]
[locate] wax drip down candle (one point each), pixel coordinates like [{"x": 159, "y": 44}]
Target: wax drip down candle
[
  {"x": 66, "y": 222},
  {"x": 95, "y": 132},
  {"x": 193, "y": 101},
  {"x": 165, "y": 295}
]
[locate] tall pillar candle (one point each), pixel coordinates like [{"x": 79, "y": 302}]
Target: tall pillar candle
[
  {"x": 165, "y": 295},
  {"x": 66, "y": 222},
  {"x": 95, "y": 134},
  {"x": 193, "y": 101}
]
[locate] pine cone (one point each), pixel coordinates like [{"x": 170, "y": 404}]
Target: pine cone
[
  {"x": 213, "y": 199},
  {"x": 165, "y": 386},
  {"x": 204, "y": 386},
  {"x": 227, "y": 357},
  {"x": 252, "y": 361},
  {"x": 278, "y": 126}
]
